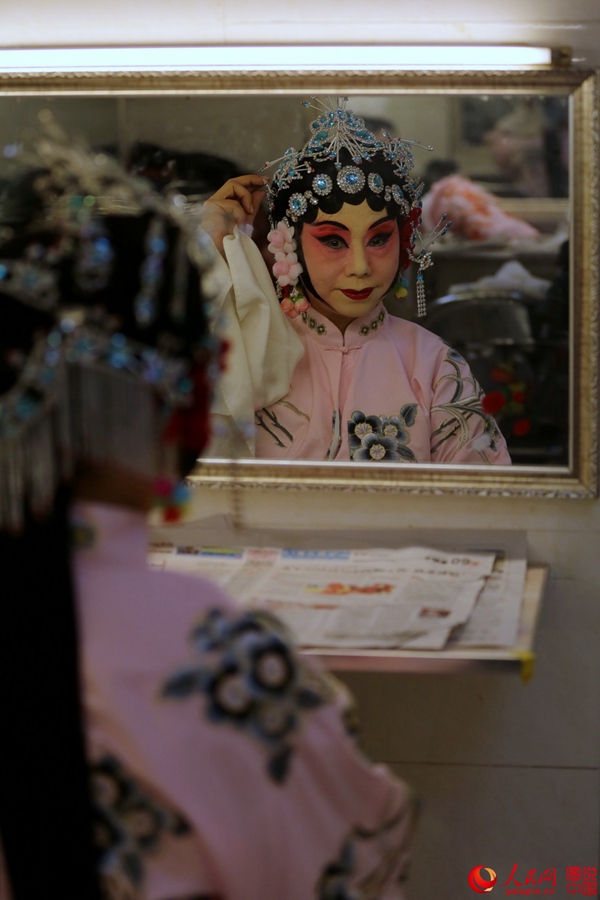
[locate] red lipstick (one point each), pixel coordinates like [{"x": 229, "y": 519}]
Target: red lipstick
[{"x": 359, "y": 295}]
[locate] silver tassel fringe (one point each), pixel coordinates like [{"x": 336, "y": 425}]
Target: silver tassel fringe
[{"x": 96, "y": 414}]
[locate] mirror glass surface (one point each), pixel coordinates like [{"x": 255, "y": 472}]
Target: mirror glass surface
[{"x": 507, "y": 289}]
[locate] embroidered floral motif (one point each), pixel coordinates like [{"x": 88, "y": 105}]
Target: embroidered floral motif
[
  {"x": 266, "y": 418},
  {"x": 376, "y": 447},
  {"x": 128, "y": 823},
  {"x": 313, "y": 324},
  {"x": 374, "y": 325},
  {"x": 83, "y": 534},
  {"x": 465, "y": 403},
  {"x": 252, "y": 680},
  {"x": 260, "y": 417},
  {"x": 340, "y": 879},
  {"x": 335, "y": 881},
  {"x": 382, "y": 438}
]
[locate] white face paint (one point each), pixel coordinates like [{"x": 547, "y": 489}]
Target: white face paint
[{"x": 351, "y": 258}]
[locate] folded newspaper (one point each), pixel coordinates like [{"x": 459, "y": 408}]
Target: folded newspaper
[{"x": 414, "y": 598}]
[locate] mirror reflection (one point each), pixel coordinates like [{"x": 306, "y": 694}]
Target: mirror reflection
[{"x": 498, "y": 291}]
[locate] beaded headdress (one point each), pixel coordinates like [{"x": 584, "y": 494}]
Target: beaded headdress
[
  {"x": 340, "y": 137},
  {"x": 104, "y": 335}
]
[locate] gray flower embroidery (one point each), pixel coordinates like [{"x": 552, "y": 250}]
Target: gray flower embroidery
[
  {"x": 382, "y": 438},
  {"x": 251, "y": 679}
]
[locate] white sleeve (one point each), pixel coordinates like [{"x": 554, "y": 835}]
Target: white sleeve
[{"x": 264, "y": 349}]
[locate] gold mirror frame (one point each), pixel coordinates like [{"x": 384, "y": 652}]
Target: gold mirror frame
[{"x": 579, "y": 479}]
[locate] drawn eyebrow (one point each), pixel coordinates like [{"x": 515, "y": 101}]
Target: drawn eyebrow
[
  {"x": 339, "y": 225},
  {"x": 330, "y": 223},
  {"x": 381, "y": 221}
]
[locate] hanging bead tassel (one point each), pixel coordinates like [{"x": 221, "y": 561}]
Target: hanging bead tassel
[
  {"x": 421, "y": 301},
  {"x": 32, "y": 428},
  {"x": 173, "y": 500},
  {"x": 177, "y": 306},
  {"x": 117, "y": 420},
  {"x": 151, "y": 273},
  {"x": 423, "y": 259}
]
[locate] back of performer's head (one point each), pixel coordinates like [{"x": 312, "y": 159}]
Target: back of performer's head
[
  {"x": 106, "y": 351},
  {"x": 106, "y": 364}
]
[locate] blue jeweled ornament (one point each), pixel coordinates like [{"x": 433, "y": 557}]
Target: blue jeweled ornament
[
  {"x": 375, "y": 182},
  {"x": 322, "y": 185},
  {"x": 145, "y": 309},
  {"x": 151, "y": 274},
  {"x": 351, "y": 179},
  {"x": 297, "y": 206}
]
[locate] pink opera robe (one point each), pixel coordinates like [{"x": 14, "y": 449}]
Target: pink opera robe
[
  {"x": 387, "y": 390},
  {"x": 221, "y": 763}
]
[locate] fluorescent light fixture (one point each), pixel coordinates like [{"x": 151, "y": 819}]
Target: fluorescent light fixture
[{"x": 289, "y": 58}]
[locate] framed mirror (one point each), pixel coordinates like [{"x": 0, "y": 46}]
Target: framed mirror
[{"x": 521, "y": 307}]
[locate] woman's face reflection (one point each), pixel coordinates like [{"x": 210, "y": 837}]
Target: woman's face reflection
[{"x": 351, "y": 258}]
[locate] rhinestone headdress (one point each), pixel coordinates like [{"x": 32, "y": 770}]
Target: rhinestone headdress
[
  {"x": 338, "y": 128},
  {"x": 112, "y": 352},
  {"x": 337, "y": 134}
]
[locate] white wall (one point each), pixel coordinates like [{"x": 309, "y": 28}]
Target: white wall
[
  {"x": 509, "y": 772},
  {"x": 86, "y": 22}
]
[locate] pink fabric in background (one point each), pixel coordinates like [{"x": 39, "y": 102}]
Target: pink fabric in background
[{"x": 475, "y": 213}]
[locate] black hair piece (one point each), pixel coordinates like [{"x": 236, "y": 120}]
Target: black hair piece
[{"x": 333, "y": 202}]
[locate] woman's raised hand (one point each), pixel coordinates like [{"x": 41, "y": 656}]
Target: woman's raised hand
[{"x": 235, "y": 203}]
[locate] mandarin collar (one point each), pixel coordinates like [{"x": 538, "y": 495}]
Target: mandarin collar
[
  {"x": 360, "y": 330},
  {"x": 108, "y": 533}
]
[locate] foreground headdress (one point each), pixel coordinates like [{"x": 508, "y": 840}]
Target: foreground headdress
[
  {"x": 104, "y": 338},
  {"x": 336, "y": 134}
]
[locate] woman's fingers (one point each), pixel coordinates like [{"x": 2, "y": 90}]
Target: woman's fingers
[
  {"x": 247, "y": 190},
  {"x": 235, "y": 203},
  {"x": 226, "y": 209}
]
